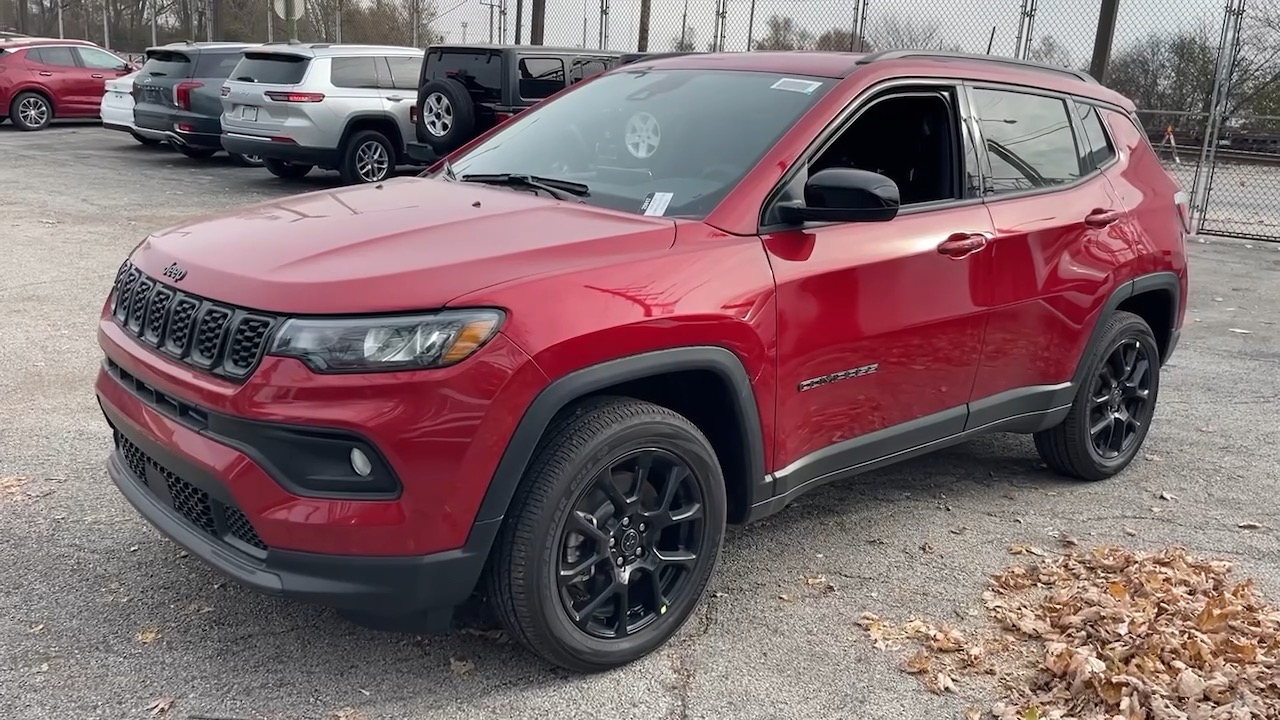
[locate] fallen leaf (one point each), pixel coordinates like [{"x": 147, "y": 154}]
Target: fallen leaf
[
  {"x": 160, "y": 706},
  {"x": 941, "y": 683},
  {"x": 461, "y": 666},
  {"x": 10, "y": 486},
  {"x": 1130, "y": 532},
  {"x": 785, "y": 597},
  {"x": 1068, "y": 541},
  {"x": 918, "y": 663},
  {"x": 927, "y": 548},
  {"x": 972, "y": 713},
  {"x": 960, "y": 530},
  {"x": 1166, "y": 495},
  {"x": 36, "y": 629},
  {"x": 146, "y": 636},
  {"x": 1249, "y": 525},
  {"x": 1240, "y": 331},
  {"x": 1019, "y": 549}
]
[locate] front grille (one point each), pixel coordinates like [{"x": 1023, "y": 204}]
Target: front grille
[
  {"x": 206, "y": 514},
  {"x": 221, "y": 339}
]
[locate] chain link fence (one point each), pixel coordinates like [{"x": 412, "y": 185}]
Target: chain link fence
[{"x": 1205, "y": 73}]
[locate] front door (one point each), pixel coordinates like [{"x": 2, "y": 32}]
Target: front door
[{"x": 881, "y": 323}]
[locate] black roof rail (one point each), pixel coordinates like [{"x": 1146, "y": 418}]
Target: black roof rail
[{"x": 942, "y": 55}]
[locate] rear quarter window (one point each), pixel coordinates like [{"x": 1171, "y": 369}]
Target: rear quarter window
[
  {"x": 163, "y": 63},
  {"x": 480, "y": 72},
  {"x": 270, "y": 68}
]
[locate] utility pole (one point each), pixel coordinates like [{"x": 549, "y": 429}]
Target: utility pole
[
  {"x": 604, "y": 25},
  {"x": 642, "y": 42},
  {"x": 106, "y": 28},
  {"x": 538, "y": 9},
  {"x": 491, "y": 5},
  {"x": 1102, "y": 40},
  {"x": 519, "y": 19},
  {"x": 291, "y": 22}
]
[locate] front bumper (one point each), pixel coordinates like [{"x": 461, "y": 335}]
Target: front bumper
[{"x": 171, "y": 493}]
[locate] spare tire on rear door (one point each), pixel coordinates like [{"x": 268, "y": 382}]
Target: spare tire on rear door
[{"x": 447, "y": 113}]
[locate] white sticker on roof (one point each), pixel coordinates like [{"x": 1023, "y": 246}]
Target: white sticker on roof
[{"x": 796, "y": 85}]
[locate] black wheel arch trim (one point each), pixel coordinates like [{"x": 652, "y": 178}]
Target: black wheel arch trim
[
  {"x": 1165, "y": 280},
  {"x": 580, "y": 383},
  {"x": 397, "y": 139}
]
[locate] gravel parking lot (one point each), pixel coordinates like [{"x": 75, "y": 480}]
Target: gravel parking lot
[{"x": 100, "y": 616}]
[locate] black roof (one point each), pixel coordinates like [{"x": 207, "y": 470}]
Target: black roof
[{"x": 494, "y": 47}]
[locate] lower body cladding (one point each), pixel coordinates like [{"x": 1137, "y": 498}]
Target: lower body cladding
[
  {"x": 179, "y": 129},
  {"x": 171, "y": 467},
  {"x": 280, "y": 149}
]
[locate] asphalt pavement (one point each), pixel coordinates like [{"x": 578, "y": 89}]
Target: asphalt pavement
[{"x": 101, "y": 617}]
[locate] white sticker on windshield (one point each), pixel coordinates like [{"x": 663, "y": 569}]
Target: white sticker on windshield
[
  {"x": 796, "y": 85},
  {"x": 656, "y": 203}
]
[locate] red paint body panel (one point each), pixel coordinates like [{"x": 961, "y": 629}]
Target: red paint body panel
[
  {"x": 72, "y": 91},
  {"x": 874, "y": 294}
]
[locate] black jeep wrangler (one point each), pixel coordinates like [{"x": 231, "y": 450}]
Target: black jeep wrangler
[{"x": 466, "y": 89}]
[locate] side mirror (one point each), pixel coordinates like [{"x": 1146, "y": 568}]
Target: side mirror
[{"x": 844, "y": 195}]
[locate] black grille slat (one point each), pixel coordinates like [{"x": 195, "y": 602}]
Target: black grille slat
[
  {"x": 207, "y": 514},
  {"x": 220, "y": 339}
]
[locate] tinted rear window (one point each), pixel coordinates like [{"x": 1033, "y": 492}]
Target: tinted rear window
[
  {"x": 162, "y": 63},
  {"x": 480, "y": 72},
  {"x": 271, "y": 68},
  {"x": 216, "y": 65}
]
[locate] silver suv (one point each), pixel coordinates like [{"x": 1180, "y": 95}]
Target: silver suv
[{"x": 337, "y": 107}]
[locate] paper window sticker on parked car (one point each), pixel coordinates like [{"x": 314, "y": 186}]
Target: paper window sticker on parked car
[
  {"x": 796, "y": 85},
  {"x": 656, "y": 203}
]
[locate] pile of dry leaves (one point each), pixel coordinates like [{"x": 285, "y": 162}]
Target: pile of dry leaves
[{"x": 1110, "y": 634}]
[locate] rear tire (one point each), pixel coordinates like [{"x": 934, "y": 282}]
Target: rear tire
[
  {"x": 196, "y": 153},
  {"x": 285, "y": 170},
  {"x": 1114, "y": 405},
  {"x": 31, "y": 111},
  {"x": 367, "y": 157},
  {"x": 672, "y": 494}
]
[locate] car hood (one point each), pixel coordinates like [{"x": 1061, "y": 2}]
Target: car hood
[{"x": 406, "y": 244}]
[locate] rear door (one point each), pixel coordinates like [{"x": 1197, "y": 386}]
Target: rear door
[
  {"x": 1058, "y": 237},
  {"x": 56, "y": 69},
  {"x": 398, "y": 81},
  {"x": 259, "y": 91}
]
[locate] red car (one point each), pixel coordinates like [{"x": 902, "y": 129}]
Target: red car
[
  {"x": 678, "y": 295},
  {"x": 46, "y": 78}
]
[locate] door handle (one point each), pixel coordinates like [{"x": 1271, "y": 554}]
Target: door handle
[
  {"x": 45, "y": 73},
  {"x": 1101, "y": 218},
  {"x": 395, "y": 98},
  {"x": 962, "y": 245},
  {"x": 96, "y": 76}
]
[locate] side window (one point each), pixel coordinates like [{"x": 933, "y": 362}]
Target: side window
[
  {"x": 540, "y": 77},
  {"x": 912, "y": 138},
  {"x": 353, "y": 72},
  {"x": 583, "y": 69},
  {"x": 404, "y": 72},
  {"x": 99, "y": 59},
  {"x": 57, "y": 56},
  {"x": 1099, "y": 148},
  {"x": 1029, "y": 141}
]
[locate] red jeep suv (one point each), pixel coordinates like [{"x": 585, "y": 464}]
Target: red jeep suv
[{"x": 678, "y": 295}]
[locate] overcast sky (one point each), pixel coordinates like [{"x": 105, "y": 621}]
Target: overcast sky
[{"x": 965, "y": 22}]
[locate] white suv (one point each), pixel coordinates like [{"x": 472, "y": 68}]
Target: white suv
[{"x": 337, "y": 107}]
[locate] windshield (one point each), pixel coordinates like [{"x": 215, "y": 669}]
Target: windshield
[{"x": 669, "y": 142}]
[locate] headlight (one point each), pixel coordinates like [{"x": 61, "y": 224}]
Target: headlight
[{"x": 377, "y": 344}]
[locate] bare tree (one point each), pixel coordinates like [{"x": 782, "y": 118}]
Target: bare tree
[
  {"x": 685, "y": 43},
  {"x": 782, "y": 33},
  {"x": 1049, "y": 51}
]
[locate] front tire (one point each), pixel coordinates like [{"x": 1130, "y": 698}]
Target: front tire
[
  {"x": 612, "y": 537},
  {"x": 1113, "y": 408}
]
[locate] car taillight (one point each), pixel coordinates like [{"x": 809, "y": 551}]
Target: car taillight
[
  {"x": 182, "y": 93},
  {"x": 413, "y": 114},
  {"x": 295, "y": 97},
  {"x": 225, "y": 91}
]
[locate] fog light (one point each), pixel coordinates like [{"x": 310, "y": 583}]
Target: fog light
[{"x": 360, "y": 462}]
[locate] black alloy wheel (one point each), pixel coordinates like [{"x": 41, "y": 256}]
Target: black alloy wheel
[
  {"x": 612, "y": 535},
  {"x": 628, "y": 548},
  {"x": 1113, "y": 407},
  {"x": 1121, "y": 394}
]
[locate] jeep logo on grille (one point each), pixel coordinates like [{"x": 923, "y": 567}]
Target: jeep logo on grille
[{"x": 175, "y": 272}]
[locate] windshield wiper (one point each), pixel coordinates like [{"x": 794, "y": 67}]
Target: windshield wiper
[{"x": 558, "y": 189}]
